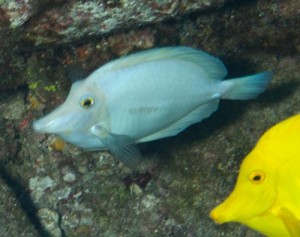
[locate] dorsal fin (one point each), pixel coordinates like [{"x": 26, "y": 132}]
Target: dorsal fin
[{"x": 212, "y": 65}]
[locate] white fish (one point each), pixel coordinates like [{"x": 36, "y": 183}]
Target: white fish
[{"x": 143, "y": 97}]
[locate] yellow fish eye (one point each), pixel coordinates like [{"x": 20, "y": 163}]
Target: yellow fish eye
[
  {"x": 87, "y": 102},
  {"x": 257, "y": 177}
]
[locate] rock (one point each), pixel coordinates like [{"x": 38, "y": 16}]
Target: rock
[
  {"x": 39, "y": 185},
  {"x": 65, "y": 21},
  {"x": 13, "y": 107},
  {"x": 50, "y": 220},
  {"x": 13, "y": 221}
]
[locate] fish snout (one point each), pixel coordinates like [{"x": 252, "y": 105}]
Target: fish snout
[
  {"x": 54, "y": 123},
  {"x": 218, "y": 215},
  {"x": 231, "y": 209},
  {"x": 37, "y": 126},
  {"x": 42, "y": 126}
]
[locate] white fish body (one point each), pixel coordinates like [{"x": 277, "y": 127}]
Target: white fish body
[{"x": 145, "y": 96}]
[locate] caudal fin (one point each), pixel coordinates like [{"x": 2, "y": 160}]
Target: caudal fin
[{"x": 248, "y": 87}]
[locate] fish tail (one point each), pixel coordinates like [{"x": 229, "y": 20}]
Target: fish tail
[{"x": 248, "y": 87}]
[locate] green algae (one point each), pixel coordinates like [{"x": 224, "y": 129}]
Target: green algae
[
  {"x": 50, "y": 88},
  {"x": 33, "y": 85}
]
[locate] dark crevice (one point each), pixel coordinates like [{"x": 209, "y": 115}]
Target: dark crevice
[
  {"x": 24, "y": 200},
  {"x": 63, "y": 233}
]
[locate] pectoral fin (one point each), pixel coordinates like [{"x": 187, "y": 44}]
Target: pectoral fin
[
  {"x": 290, "y": 221},
  {"x": 121, "y": 146}
]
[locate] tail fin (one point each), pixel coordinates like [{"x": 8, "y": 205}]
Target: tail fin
[{"x": 248, "y": 87}]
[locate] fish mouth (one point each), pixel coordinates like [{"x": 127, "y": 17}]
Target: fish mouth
[
  {"x": 56, "y": 122},
  {"x": 41, "y": 127},
  {"x": 231, "y": 209},
  {"x": 217, "y": 216},
  {"x": 221, "y": 215},
  {"x": 240, "y": 206}
]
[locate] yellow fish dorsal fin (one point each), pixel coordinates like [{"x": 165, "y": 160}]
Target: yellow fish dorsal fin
[
  {"x": 291, "y": 222},
  {"x": 210, "y": 64}
]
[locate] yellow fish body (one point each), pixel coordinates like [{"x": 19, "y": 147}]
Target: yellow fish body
[{"x": 267, "y": 193}]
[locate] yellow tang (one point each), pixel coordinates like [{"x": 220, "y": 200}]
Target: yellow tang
[{"x": 267, "y": 193}]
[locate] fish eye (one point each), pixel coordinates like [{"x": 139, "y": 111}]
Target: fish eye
[
  {"x": 257, "y": 177},
  {"x": 87, "y": 102}
]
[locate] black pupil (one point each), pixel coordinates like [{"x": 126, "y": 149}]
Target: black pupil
[
  {"x": 257, "y": 178},
  {"x": 87, "y": 103}
]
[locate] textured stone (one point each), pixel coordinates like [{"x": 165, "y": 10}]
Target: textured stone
[
  {"x": 13, "y": 221},
  {"x": 66, "y": 21}
]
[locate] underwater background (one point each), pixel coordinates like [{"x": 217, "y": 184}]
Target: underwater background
[{"x": 51, "y": 188}]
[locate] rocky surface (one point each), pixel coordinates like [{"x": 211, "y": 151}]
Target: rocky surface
[
  {"x": 70, "y": 192},
  {"x": 13, "y": 196},
  {"x": 14, "y": 221},
  {"x": 62, "y": 21}
]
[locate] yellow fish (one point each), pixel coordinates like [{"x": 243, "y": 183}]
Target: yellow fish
[{"x": 267, "y": 193}]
